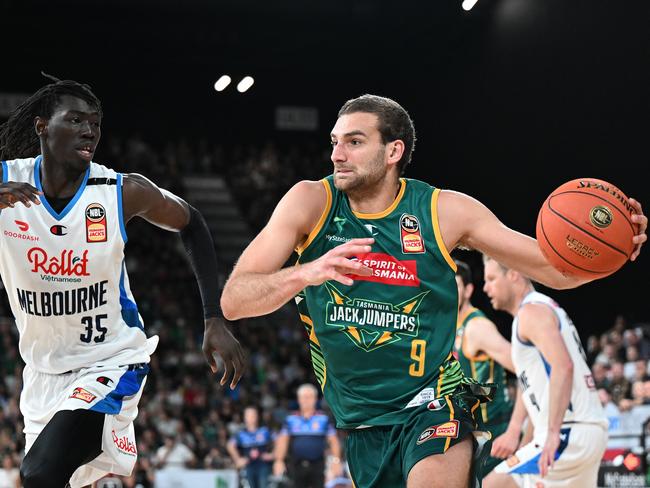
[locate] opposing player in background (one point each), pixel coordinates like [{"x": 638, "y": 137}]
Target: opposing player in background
[
  {"x": 63, "y": 221},
  {"x": 556, "y": 390},
  {"x": 376, "y": 290},
  {"x": 483, "y": 353}
]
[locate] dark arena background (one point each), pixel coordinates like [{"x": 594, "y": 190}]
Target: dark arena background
[{"x": 510, "y": 99}]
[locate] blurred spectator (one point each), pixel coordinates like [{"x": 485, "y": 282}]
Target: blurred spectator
[
  {"x": 251, "y": 449},
  {"x": 599, "y": 372},
  {"x": 174, "y": 454},
  {"x": 618, "y": 385},
  {"x": 9, "y": 474},
  {"x": 611, "y": 410},
  {"x": 303, "y": 442}
]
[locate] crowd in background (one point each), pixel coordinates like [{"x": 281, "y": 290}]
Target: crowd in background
[{"x": 185, "y": 417}]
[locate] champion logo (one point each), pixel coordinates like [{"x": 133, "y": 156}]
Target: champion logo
[
  {"x": 59, "y": 230},
  {"x": 65, "y": 264},
  {"x": 124, "y": 445}
]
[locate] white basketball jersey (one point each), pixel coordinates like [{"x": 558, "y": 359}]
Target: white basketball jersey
[
  {"x": 65, "y": 276},
  {"x": 533, "y": 373}
]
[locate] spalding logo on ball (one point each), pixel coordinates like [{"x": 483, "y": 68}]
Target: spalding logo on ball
[{"x": 585, "y": 229}]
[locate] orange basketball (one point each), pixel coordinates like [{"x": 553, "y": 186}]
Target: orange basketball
[{"x": 584, "y": 228}]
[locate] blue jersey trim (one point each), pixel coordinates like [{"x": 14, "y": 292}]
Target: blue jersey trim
[
  {"x": 120, "y": 210},
  {"x": 129, "y": 308},
  {"x": 4, "y": 173},
  {"x": 71, "y": 203},
  {"x": 129, "y": 385},
  {"x": 531, "y": 466}
]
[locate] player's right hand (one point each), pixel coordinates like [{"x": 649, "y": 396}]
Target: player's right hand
[
  {"x": 12, "y": 192},
  {"x": 336, "y": 264},
  {"x": 505, "y": 445}
]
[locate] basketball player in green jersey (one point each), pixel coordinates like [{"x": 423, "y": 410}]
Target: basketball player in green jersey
[
  {"x": 377, "y": 293},
  {"x": 483, "y": 353}
]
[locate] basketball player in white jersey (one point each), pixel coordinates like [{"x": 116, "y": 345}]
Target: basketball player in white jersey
[
  {"x": 556, "y": 391},
  {"x": 63, "y": 222}
]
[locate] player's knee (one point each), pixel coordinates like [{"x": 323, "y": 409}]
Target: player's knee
[{"x": 42, "y": 474}]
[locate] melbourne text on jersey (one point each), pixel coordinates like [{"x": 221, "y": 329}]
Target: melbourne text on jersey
[{"x": 67, "y": 302}]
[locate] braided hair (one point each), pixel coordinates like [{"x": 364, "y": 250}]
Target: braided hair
[{"x": 17, "y": 136}]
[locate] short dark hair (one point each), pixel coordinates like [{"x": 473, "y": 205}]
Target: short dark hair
[
  {"x": 394, "y": 122},
  {"x": 17, "y": 136},
  {"x": 463, "y": 270}
]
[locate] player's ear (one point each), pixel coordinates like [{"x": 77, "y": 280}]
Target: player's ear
[
  {"x": 469, "y": 290},
  {"x": 395, "y": 151},
  {"x": 40, "y": 126}
]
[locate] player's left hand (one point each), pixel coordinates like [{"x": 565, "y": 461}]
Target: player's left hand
[
  {"x": 547, "y": 456},
  {"x": 218, "y": 340},
  {"x": 642, "y": 221}
]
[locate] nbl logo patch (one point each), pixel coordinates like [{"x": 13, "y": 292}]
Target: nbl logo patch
[
  {"x": 411, "y": 235},
  {"x": 95, "y": 223},
  {"x": 448, "y": 429}
]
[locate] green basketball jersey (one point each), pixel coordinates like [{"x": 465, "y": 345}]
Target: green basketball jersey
[
  {"x": 483, "y": 369},
  {"x": 384, "y": 344}
]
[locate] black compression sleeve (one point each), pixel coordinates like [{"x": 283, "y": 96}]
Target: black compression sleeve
[{"x": 200, "y": 252}]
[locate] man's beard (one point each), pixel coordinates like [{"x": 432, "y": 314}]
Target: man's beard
[{"x": 376, "y": 173}]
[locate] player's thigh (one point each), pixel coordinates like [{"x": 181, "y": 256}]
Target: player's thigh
[
  {"x": 499, "y": 480},
  {"x": 448, "y": 470},
  {"x": 70, "y": 439}
]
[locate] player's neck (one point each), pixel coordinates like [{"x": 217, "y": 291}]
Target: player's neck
[
  {"x": 465, "y": 309},
  {"x": 519, "y": 296},
  {"x": 376, "y": 198},
  {"x": 59, "y": 180},
  {"x": 307, "y": 413}
]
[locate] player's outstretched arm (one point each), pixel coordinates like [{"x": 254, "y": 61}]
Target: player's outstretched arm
[
  {"x": 466, "y": 221},
  {"x": 12, "y": 192},
  {"x": 258, "y": 285},
  {"x": 481, "y": 335},
  {"x": 507, "y": 443},
  {"x": 142, "y": 198},
  {"x": 538, "y": 324}
]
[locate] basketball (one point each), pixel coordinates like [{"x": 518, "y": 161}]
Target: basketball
[{"x": 584, "y": 228}]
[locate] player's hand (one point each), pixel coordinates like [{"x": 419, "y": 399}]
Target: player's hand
[
  {"x": 12, "y": 192},
  {"x": 505, "y": 445},
  {"x": 642, "y": 221},
  {"x": 279, "y": 468},
  {"x": 241, "y": 463},
  {"x": 336, "y": 264},
  {"x": 218, "y": 340},
  {"x": 547, "y": 457}
]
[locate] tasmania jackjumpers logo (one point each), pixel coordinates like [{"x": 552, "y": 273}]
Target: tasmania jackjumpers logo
[
  {"x": 386, "y": 269},
  {"x": 124, "y": 445},
  {"x": 95, "y": 223},
  {"x": 370, "y": 324},
  {"x": 411, "y": 235}
]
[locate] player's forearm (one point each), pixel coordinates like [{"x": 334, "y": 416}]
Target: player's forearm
[
  {"x": 255, "y": 294},
  {"x": 561, "y": 383},
  {"x": 519, "y": 414}
]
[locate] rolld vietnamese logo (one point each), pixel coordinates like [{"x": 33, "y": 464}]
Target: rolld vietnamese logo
[{"x": 65, "y": 264}]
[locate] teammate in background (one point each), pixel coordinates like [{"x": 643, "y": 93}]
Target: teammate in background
[
  {"x": 251, "y": 449},
  {"x": 556, "y": 389},
  {"x": 382, "y": 326},
  {"x": 64, "y": 221},
  {"x": 303, "y": 443},
  {"x": 483, "y": 354}
]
